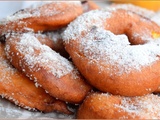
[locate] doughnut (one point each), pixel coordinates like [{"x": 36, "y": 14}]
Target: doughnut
[
  {"x": 44, "y": 17},
  {"x": 149, "y": 14},
  {"x": 123, "y": 57},
  {"x": 46, "y": 68},
  {"x": 89, "y": 5},
  {"x": 17, "y": 88},
  {"x": 107, "y": 106}
]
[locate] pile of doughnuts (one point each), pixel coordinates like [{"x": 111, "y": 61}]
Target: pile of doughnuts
[
  {"x": 117, "y": 50},
  {"x": 34, "y": 74},
  {"x": 105, "y": 60}
]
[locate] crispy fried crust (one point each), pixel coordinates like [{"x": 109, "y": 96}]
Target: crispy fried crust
[
  {"x": 17, "y": 88},
  {"x": 47, "y": 68},
  {"x": 107, "y": 106},
  {"x": 47, "y": 17}
]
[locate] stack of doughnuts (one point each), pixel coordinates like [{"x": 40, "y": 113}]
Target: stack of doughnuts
[
  {"x": 32, "y": 45},
  {"x": 105, "y": 60},
  {"x": 117, "y": 50}
]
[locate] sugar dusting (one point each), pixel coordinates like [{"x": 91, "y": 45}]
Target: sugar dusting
[
  {"x": 112, "y": 49},
  {"x": 55, "y": 36},
  {"x": 6, "y": 71},
  {"x": 145, "y": 106},
  {"x": 6, "y": 75},
  {"x": 16, "y": 102},
  {"x": 102, "y": 46},
  {"x": 92, "y": 18},
  {"x": 35, "y": 11},
  {"x": 45, "y": 58}
]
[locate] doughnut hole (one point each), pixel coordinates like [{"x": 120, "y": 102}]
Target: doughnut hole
[{"x": 138, "y": 30}]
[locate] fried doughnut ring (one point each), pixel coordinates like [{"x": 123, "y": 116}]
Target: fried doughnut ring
[
  {"x": 50, "y": 16},
  {"x": 89, "y": 5},
  {"x": 18, "y": 89},
  {"x": 46, "y": 67},
  {"x": 118, "y": 65},
  {"x": 106, "y": 106},
  {"x": 142, "y": 12}
]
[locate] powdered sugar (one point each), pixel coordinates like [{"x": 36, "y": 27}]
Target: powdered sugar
[
  {"x": 113, "y": 50},
  {"x": 92, "y": 18},
  {"x": 6, "y": 69},
  {"x": 36, "y": 11},
  {"x": 16, "y": 102},
  {"x": 103, "y": 47},
  {"x": 41, "y": 3},
  {"x": 145, "y": 106},
  {"x": 55, "y": 35},
  {"x": 6, "y": 81},
  {"x": 46, "y": 58}
]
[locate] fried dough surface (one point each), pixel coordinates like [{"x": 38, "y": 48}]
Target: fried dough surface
[
  {"x": 47, "y": 68},
  {"x": 123, "y": 57},
  {"x": 48, "y": 16},
  {"x": 17, "y": 88},
  {"x": 107, "y": 106}
]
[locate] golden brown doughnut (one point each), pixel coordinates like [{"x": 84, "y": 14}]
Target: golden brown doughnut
[
  {"x": 18, "y": 89},
  {"x": 47, "y": 68},
  {"x": 149, "y": 14},
  {"x": 115, "y": 56},
  {"x": 107, "y": 106},
  {"x": 48, "y": 16}
]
